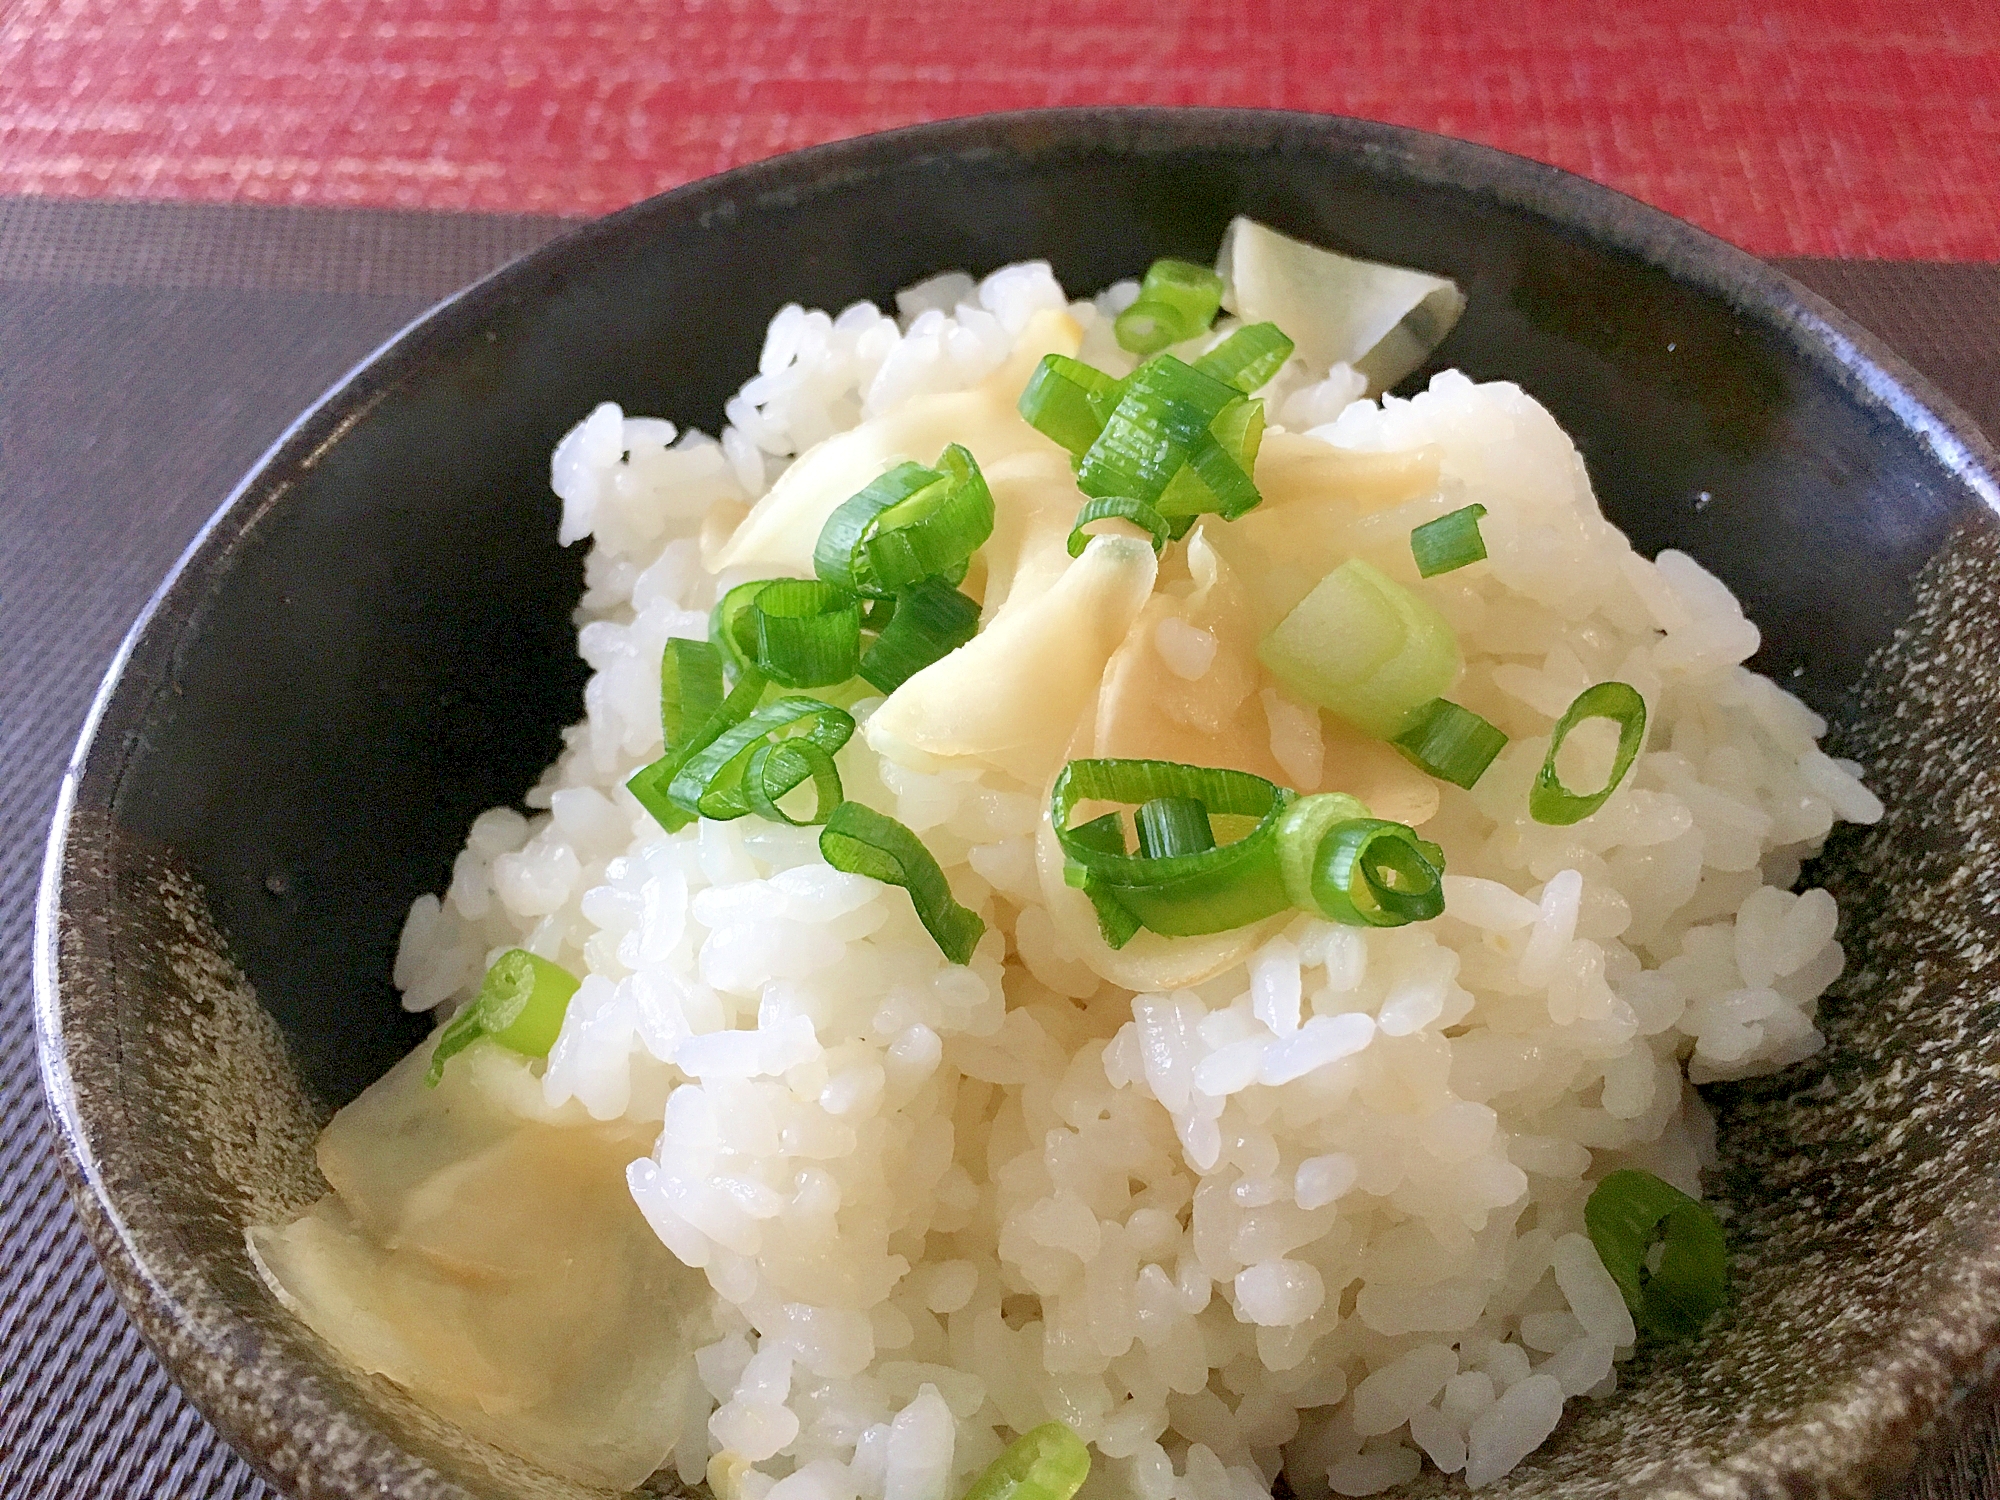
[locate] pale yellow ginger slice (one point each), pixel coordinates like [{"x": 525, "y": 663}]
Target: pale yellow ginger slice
[{"x": 1011, "y": 698}]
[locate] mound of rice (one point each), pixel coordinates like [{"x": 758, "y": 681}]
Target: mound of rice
[{"x": 1321, "y": 1213}]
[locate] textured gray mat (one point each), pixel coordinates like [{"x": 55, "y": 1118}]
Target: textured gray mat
[{"x": 148, "y": 353}]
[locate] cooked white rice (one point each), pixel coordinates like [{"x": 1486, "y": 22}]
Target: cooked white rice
[{"x": 1321, "y": 1213}]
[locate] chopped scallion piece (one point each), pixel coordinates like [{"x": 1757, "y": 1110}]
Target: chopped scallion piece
[
  {"x": 520, "y": 1005},
  {"x": 1248, "y": 357},
  {"x": 1549, "y": 801},
  {"x": 780, "y": 767},
  {"x": 1223, "y": 464},
  {"x": 861, "y": 841},
  {"x": 1177, "y": 300},
  {"x": 923, "y": 624},
  {"x": 690, "y": 688},
  {"x": 1322, "y": 853},
  {"x": 807, "y": 632},
  {"x": 1173, "y": 825},
  {"x": 1449, "y": 542},
  {"x": 731, "y": 627},
  {"x": 1451, "y": 743},
  {"x": 934, "y": 530},
  {"x": 1366, "y": 647},
  {"x": 1120, "y": 508},
  {"x": 1624, "y": 1215},
  {"x": 1069, "y": 401},
  {"x": 1371, "y": 873},
  {"x": 1048, "y": 1462},
  {"x": 652, "y": 784},
  {"x": 1154, "y": 430},
  {"x": 840, "y": 556},
  {"x": 912, "y": 523},
  {"x": 1105, "y": 835},
  {"x": 711, "y": 780}
]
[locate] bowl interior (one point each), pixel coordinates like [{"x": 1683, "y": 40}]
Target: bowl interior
[{"x": 372, "y": 644}]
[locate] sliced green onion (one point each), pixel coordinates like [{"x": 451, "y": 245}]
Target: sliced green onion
[
  {"x": 1366, "y": 647},
  {"x": 690, "y": 688},
  {"x": 1624, "y": 1215},
  {"x": 1322, "y": 853},
  {"x": 1302, "y": 828},
  {"x": 1168, "y": 826},
  {"x": 1069, "y": 401},
  {"x": 808, "y": 633},
  {"x": 934, "y": 530},
  {"x": 1449, "y": 542},
  {"x": 1183, "y": 895},
  {"x": 652, "y": 784},
  {"x": 1248, "y": 357},
  {"x": 1048, "y": 1462},
  {"x": 1451, "y": 743},
  {"x": 520, "y": 1005},
  {"x": 1120, "y": 508},
  {"x": 1153, "y": 431},
  {"x": 1224, "y": 461},
  {"x": 912, "y": 523},
  {"x": 1106, "y": 835},
  {"x": 861, "y": 841},
  {"x": 1177, "y": 300},
  {"x": 840, "y": 555},
  {"x": 731, "y": 627},
  {"x": 923, "y": 624},
  {"x": 778, "y": 767},
  {"x": 711, "y": 780},
  {"x": 1371, "y": 873},
  {"x": 1549, "y": 801}
]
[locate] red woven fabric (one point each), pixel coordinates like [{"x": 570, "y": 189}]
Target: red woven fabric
[{"x": 1794, "y": 127}]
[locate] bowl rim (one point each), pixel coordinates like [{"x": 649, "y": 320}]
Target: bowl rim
[{"x": 190, "y": 1326}]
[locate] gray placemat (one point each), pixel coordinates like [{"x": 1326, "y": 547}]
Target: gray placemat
[{"x": 148, "y": 354}]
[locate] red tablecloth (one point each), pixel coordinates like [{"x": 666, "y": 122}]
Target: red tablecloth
[{"x": 1794, "y": 127}]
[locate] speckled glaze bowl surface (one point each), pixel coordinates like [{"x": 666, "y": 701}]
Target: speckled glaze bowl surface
[{"x": 370, "y": 643}]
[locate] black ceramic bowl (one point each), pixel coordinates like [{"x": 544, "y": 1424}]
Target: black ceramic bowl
[{"x": 370, "y": 643}]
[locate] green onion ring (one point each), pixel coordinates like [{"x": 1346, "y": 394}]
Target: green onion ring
[
  {"x": 690, "y": 688},
  {"x": 779, "y": 767},
  {"x": 1549, "y": 801},
  {"x": 731, "y": 627},
  {"x": 861, "y": 841},
  {"x": 1449, "y": 543},
  {"x": 934, "y": 530},
  {"x": 652, "y": 784},
  {"x": 1451, "y": 743},
  {"x": 1048, "y": 1462},
  {"x": 1622, "y": 1215},
  {"x": 520, "y": 1005},
  {"x": 1121, "y": 508},
  {"x": 1177, "y": 300},
  {"x": 910, "y": 524},
  {"x": 1373, "y": 873},
  {"x": 1185, "y": 895},
  {"x": 1249, "y": 357},
  {"x": 710, "y": 781},
  {"x": 1321, "y": 853},
  {"x": 1068, "y": 401},
  {"x": 840, "y": 555},
  {"x": 1151, "y": 434},
  {"x": 807, "y": 633},
  {"x": 1170, "y": 826},
  {"x": 924, "y": 623}
]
